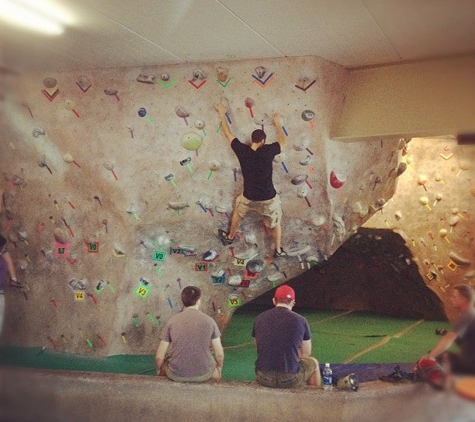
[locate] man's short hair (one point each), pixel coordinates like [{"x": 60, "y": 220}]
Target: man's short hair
[
  {"x": 258, "y": 135},
  {"x": 190, "y": 295},
  {"x": 467, "y": 292},
  {"x": 280, "y": 300}
]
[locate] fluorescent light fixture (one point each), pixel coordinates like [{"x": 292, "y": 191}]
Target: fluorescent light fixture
[{"x": 38, "y": 15}]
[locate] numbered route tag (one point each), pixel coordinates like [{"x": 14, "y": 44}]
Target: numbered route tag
[
  {"x": 79, "y": 295},
  {"x": 245, "y": 283},
  {"x": 92, "y": 247},
  {"x": 142, "y": 291},
  {"x": 219, "y": 279},
  {"x": 240, "y": 262},
  {"x": 201, "y": 266},
  {"x": 176, "y": 250},
  {"x": 234, "y": 301},
  {"x": 452, "y": 265},
  {"x": 61, "y": 252},
  {"x": 159, "y": 256},
  {"x": 61, "y": 249}
]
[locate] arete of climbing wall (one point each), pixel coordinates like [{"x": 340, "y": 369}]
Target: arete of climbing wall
[
  {"x": 116, "y": 180},
  {"x": 432, "y": 210}
]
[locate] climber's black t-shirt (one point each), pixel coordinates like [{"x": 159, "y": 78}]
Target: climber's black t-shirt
[{"x": 256, "y": 169}]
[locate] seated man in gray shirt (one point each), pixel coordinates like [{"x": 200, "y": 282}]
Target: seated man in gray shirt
[
  {"x": 462, "y": 333},
  {"x": 184, "y": 351}
]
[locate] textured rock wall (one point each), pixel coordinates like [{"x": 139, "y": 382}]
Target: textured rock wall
[
  {"x": 373, "y": 271},
  {"x": 433, "y": 211},
  {"x": 104, "y": 238}
]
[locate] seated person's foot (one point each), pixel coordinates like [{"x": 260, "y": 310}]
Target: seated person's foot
[
  {"x": 224, "y": 237},
  {"x": 280, "y": 254}
]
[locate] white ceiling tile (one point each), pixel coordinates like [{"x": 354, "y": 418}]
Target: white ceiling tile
[
  {"x": 352, "y": 33},
  {"x": 342, "y": 31},
  {"x": 426, "y": 28}
]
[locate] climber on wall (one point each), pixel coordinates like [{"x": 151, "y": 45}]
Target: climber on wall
[{"x": 259, "y": 194}]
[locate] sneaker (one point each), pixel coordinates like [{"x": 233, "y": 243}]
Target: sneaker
[
  {"x": 280, "y": 254},
  {"x": 224, "y": 237}
]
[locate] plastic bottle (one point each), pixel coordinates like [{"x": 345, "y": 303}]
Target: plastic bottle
[{"x": 327, "y": 378}]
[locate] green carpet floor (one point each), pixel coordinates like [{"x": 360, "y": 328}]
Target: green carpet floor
[{"x": 339, "y": 337}]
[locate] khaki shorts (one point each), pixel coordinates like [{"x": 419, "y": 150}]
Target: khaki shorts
[
  {"x": 199, "y": 378},
  {"x": 270, "y": 209},
  {"x": 275, "y": 379}
]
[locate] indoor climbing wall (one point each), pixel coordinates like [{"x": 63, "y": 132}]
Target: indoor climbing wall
[
  {"x": 433, "y": 211},
  {"x": 116, "y": 181}
]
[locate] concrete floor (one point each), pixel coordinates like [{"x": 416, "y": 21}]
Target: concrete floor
[{"x": 37, "y": 395}]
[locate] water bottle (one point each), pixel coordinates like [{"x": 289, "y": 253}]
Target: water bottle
[{"x": 327, "y": 377}]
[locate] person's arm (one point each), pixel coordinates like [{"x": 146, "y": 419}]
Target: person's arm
[
  {"x": 224, "y": 122},
  {"x": 305, "y": 349},
  {"x": 160, "y": 355},
  {"x": 443, "y": 344},
  {"x": 218, "y": 353},
  {"x": 10, "y": 266},
  {"x": 279, "y": 124}
]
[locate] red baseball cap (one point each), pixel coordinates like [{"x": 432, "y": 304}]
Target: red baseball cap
[{"x": 284, "y": 292}]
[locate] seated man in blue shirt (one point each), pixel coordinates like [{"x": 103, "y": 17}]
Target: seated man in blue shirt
[{"x": 284, "y": 345}]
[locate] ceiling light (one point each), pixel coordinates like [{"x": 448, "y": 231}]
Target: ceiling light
[{"x": 37, "y": 16}]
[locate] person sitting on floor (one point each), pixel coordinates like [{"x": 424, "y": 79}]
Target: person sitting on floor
[
  {"x": 187, "y": 337},
  {"x": 462, "y": 333},
  {"x": 284, "y": 345}
]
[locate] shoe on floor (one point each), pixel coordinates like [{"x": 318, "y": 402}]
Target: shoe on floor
[
  {"x": 432, "y": 372},
  {"x": 224, "y": 237},
  {"x": 280, "y": 254}
]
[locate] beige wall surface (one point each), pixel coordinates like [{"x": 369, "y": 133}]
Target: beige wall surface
[
  {"x": 416, "y": 99},
  {"x": 433, "y": 211}
]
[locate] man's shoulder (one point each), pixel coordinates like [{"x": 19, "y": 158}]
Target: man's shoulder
[
  {"x": 236, "y": 142},
  {"x": 273, "y": 148}
]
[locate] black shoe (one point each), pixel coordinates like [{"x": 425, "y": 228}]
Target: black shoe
[
  {"x": 280, "y": 254},
  {"x": 224, "y": 237}
]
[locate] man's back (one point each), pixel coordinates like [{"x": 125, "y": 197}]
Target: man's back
[
  {"x": 190, "y": 333},
  {"x": 279, "y": 333},
  {"x": 256, "y": 169},
  {"x": 465, "y": 329}
]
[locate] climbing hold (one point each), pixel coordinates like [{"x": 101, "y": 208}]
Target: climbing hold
[
  {"x": 458, "y": 259},
  {"x": 255, "y": 266},
  {"x": 336, "y": 181},
  {"x": 401, "y": 168},
  {"x": 222, "y": 74},
  {"x": 178, "y": 205},
  {"x": 191, "y": 141},
  {"x": 260, "y": 71},
  {"x": 235, "y": 280},
  {"x": 210, "y": 255},
  {"x": 146, "y": 79},
  {"x": 308, "y": 115}
]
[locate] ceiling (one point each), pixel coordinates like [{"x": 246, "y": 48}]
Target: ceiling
[{"x": 352, "y": 33}]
